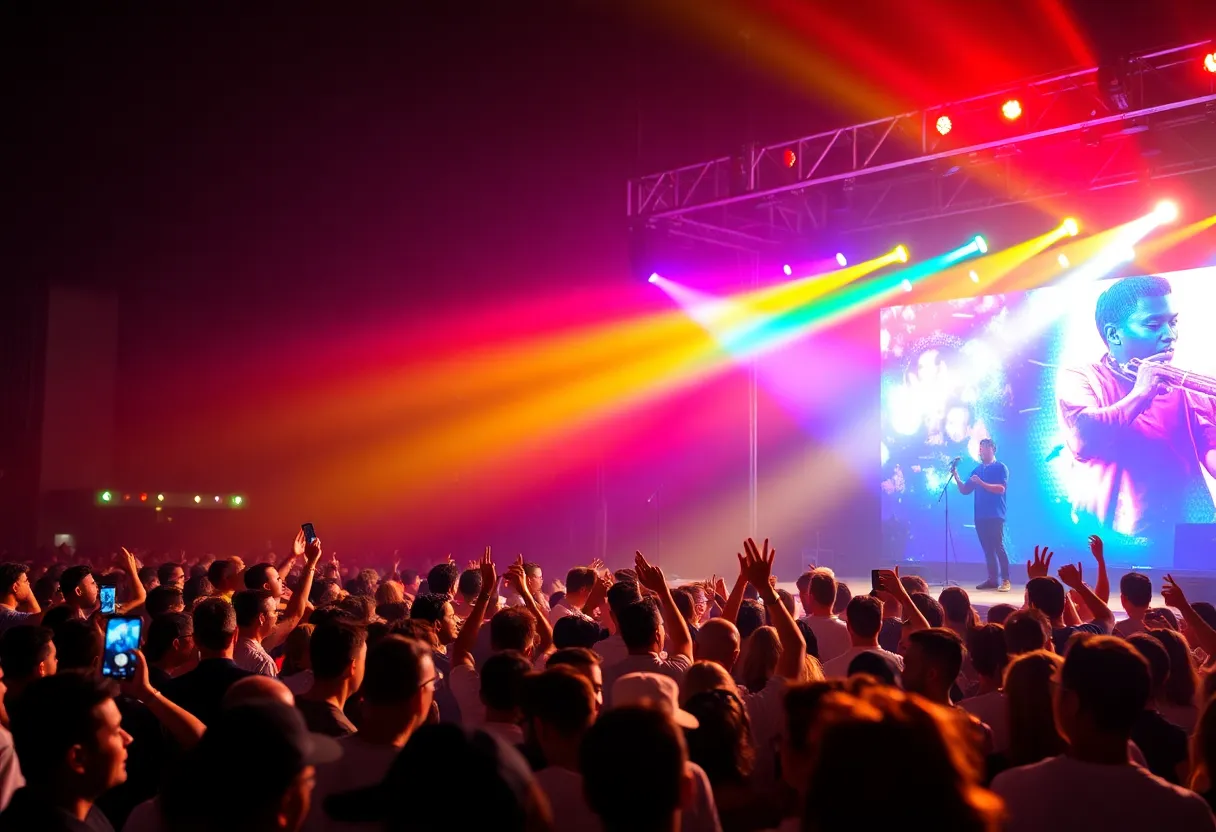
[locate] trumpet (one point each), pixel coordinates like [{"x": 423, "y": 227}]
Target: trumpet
[{"x": 1174, "y": 376}]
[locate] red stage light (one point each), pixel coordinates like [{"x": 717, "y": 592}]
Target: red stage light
[
  {"x": 143, "y": 498},
  {"x": 1012, "y": 109},
  {"x": 944, "y": 125},
  {"x": 1209, "y": 62},
  {"x": 790, "y": 158}
]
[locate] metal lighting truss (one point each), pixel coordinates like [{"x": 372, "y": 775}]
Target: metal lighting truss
[{"x": 1079, "y": 131}]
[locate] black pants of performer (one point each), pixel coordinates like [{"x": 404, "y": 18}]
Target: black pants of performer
[{"x": 991, "y": 532}]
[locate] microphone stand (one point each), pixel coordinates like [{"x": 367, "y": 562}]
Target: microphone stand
[{"x": 948, "y": 538}]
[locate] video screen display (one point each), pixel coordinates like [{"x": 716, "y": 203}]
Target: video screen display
[{"x": 1093, "y": 443}]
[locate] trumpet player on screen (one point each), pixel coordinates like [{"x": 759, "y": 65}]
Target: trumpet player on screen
[{"x": 1142, "y": 431}]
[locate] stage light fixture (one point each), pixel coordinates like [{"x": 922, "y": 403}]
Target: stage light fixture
[
  {"x": 237, "y": 500},
  {"x": 1209, "y": 62},
  {"x": 197, "y": 498},
  {"x": 106, "y": 496},
  {"x": 789, "y": 158},
  {"x": 143, "y": 498},
  {"x": 1063, "y": 261},
  {"x": 975, "y": 278},
  {"x": 1166, "y": 211},
  {"x": 1012, "y": 109},
  {"x": 217, "y": 498},
  {"x": 841, "y": 260},
  {"x": 901, "y": 254},
  {"x": 160, "y": 498},
  {"x": 787, "y": 269},
  {"x": 944, "y": 125},
  {"x": 981, "y": 244},
  {"x": 1070, "y": 227},
  {"x": 654, "y": 278}
]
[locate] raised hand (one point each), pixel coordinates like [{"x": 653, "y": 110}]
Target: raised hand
[
  {"x": 1041, "y": 564},
  {"x": 489, "y": 574},
  {"x": 1172, "y": 594},
  {"x": 597, "y": 565},
  {"x": 312, "y": 553},
  {"x": 127, "y": 561},
  {"x": 138, "y": 686},
  {"x": 888, "y": 582},
  {"x": 755, "y": 565},
  {"x": 474, "y": 564},
  {"x": 650, "y": 577},
  {"x": 1070, "y": 575},
  {"x": 298, "y": 545},
  {"x": 1096, "y": 547}
]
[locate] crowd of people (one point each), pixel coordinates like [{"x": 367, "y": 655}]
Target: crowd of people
[{"x": 301, "y": 694}]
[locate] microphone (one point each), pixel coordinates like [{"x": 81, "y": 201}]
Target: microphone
[{"x": 954, "y": 462}]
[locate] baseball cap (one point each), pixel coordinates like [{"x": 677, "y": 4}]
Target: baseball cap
[
  {"x": 488, "y": 767},
  {"x": 655, "y": 690}
]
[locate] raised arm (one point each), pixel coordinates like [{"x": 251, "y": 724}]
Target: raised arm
[
  {"x": 517, "y": 577},
  {"x": 1198, "y": 632},
  {"x": 138, "y": 595},
  {"x": 1070, "y": 576},
  {"x": 1102, "y": 587},
  {"x": 182, "y": 725},
  {"x": 462, "y": 649},
  {"x": 652, "y": 578},
  {"x": 757, "y": 567},
  {"x": 1093, "y": 427},
  {"x": 914, "y": 619},
  {"x": 299, "y": 599},
  {"x": 963, "y": 487}
]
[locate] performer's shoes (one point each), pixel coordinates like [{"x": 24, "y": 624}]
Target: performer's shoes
[
  {"x": 1004, "y": 587},
  {"x": 986, "y": 585}
]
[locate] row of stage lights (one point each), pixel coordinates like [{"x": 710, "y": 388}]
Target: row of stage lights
[
  {"x": 113, "y": 498},
  {"x": 1011, "y": 110}
]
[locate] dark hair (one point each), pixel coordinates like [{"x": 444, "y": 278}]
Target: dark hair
[
  {"x": 10, "y": 574},
  {"x": 214, "y": 624},
  {"x": 913, "y": 584},
  {"x": 1155, "y": 654},
  {"x": 1137, "y": 588},
  {"x": 1207, "y": 611},
  {"x": 930, "y": 608},
  {"x": 556, "y": 598},
  {"x": 986, "y": 646},
  {"x": 560, "y": 697},
  {"x": 1026, "y": 631},
  {"x": 163, "y": 631},
  {"x": 999, "y": 613},
  {"x": 23, "y": 648},
  {"x": 1111, "y": 681},
  {"x": 146, "y": 575},
  {"x": 875, "y": 664},
  {"x": 684, "y": 604},
  {"x": 53, "y": 714},
  {"x": 580, "y": 578},
  {"x": 843, "y": 596},
  {"x": 442, "y": 578},
  {"x": 429, "y": 607},
  {"x": 1117, "y": 303},
  {"x": 1046, "y": 594},
  {"x": 633, "y": 761},
  {"x": 164, "y": 572},
  {"x": 625, "y": 576},
  {"x": 249, "y": 604},
  {"x": 78, "y": 645},
  {"x": 502, "y": 679},
  {"x": 942, "y": 648},
  {"x": 787, "y": 600},
  {"x": 621, "y": 595},
  {"x": 749, "y": 619},
  {"x": 530, "y": 567},
  {"x": 804, "y": 582},
  {"x": 408, "y": 576},
  {"x": 199, "y": 586},
  {"x": 956, "y": 604},
  {"x": 362, "y": 608},
  {"x": 573, "y": 656},
  {"x": 576, "y": 631},
  {"x": 333, "y": 647},
  {"x": 470, "y": 584},
  {"x": 219, "y": 570},
  {"x": 802, "y": 710},
  {"x": 257, "y": 575},
  {"x": 393, "y": 671},
  {"x": 823, "y": 588},
  {"x": 163, "y": 599},
  {"x": 512, "y": 628},
  {"x": 864, "y": 616},
  {"x": 722, "y": 743},
  {"x": 398, "y": 611},
  {"x": 639, "y": 624},
  {"x": 72, "y": 577}
]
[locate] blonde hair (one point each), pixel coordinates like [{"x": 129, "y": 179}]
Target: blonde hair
[
  {"x": 706, "y": 676},
  {"x": 759, "y": 658}
]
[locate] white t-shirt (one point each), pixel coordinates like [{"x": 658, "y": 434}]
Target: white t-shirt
[
  {"x": 674, "y": 667},
  {"x": 362, "y": 765},
  {"x": 1061, "y": 793},
  {"x": 10, "y": 770},
  {"x": 250, "y": 655},
  {"x": 766, "y": 714},
  {"x": 831, "y": 634},
  {"x": 838, "y": 668},
  {"x": 992, "y": 709},
  {"x": 465, "y": 684}
]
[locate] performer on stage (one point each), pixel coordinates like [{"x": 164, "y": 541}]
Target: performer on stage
[
  {"x": 1140, "y": 445},
  {"x": 988, "y": 482}
]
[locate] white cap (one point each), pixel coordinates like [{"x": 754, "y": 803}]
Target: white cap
[{"x": 655, "y": 690}]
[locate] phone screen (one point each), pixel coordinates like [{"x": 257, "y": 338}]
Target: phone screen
[
  {"x": 875, "y": 581},
  {"x": 122, "y": 640},
  {"x": 310, "y": 534},
  {"x": 107, "y": 600}
]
